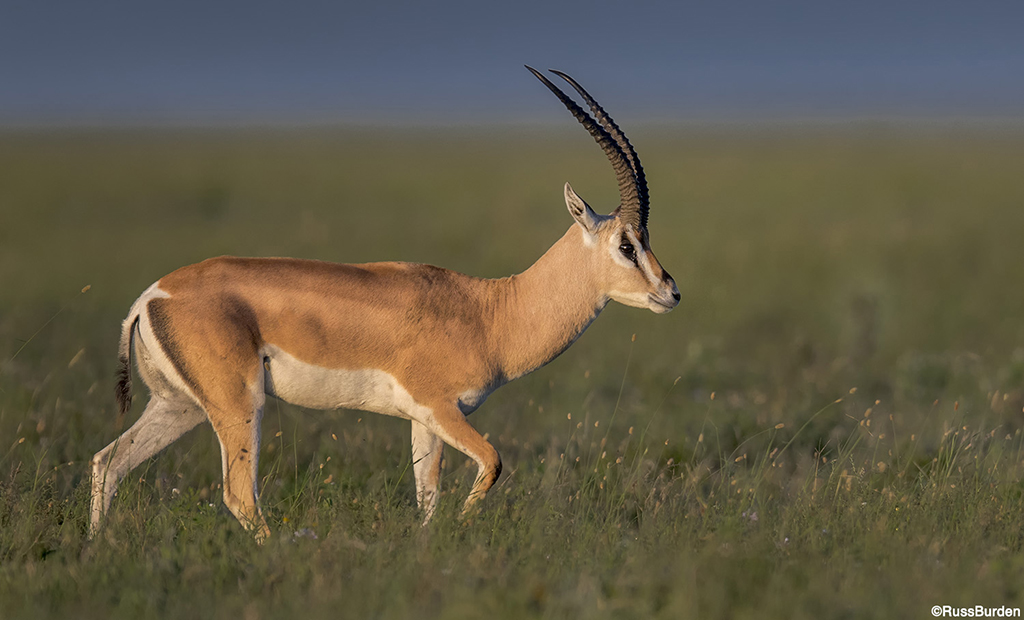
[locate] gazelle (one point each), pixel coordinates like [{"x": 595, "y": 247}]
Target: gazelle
[{"x": 211, "y": 340}]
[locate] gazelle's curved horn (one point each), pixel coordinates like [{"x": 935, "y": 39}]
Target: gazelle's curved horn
[
  {"x": 617, "y": 134},
  {"x": 629, "y": 194}
]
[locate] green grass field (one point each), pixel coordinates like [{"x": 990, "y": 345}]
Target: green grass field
[{"x": 829, "y": 425}]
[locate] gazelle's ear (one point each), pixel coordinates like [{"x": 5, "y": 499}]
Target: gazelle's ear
[{"x": 580, "y": 210}]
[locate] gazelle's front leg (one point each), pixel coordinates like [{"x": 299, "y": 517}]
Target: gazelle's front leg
[
  {"x": 427, "y": 448},
  {"x": 451, "y": 426}
]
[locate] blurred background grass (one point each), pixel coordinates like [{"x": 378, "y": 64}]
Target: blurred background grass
[{"x": 811, "y": 261}]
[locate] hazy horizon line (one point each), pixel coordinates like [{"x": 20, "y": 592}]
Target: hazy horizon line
[{"x": 650, "y": 123}]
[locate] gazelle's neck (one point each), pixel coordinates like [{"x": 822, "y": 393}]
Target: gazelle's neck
[{"x": 542, "y": 311}]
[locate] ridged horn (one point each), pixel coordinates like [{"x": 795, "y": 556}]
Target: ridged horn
[
  {"x": 632, "y": 209},
  {"x": 620, "y": 138}
]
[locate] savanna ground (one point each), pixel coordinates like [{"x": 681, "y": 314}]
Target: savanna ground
[{"x": 829, "y": 425}]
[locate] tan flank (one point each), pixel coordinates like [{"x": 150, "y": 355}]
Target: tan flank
[{"x": 423, "y": 343}]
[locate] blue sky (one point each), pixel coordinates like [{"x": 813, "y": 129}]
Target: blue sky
[{"x": 184, "y": 61}]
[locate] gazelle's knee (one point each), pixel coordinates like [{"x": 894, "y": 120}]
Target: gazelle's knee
[
  {"x": 102, "y": 476},
  {"x": 495, "y": 468},
  {"x": 99, "y": 461},
  {"x": 490, "y": 469}
]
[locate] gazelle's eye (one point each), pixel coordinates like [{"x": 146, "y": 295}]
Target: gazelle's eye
[{"x": 628, "y": 251}]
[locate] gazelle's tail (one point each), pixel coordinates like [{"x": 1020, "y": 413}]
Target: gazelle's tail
[{"x": 123, "y": 388}]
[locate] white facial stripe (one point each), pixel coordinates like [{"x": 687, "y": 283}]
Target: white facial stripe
[
  {"x": 645, "y": 264},
  {"x": 643, "y": 258}
]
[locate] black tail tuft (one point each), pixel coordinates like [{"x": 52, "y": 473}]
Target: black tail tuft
[{"x": 123, "y": 388}]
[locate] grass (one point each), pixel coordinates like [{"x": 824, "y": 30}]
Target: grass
[{"x": 828, "y": 426}]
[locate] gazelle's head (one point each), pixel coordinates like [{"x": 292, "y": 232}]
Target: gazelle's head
[{"x": 618, "y": 246}]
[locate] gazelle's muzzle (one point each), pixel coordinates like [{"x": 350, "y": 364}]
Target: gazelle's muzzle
[{"x": 666, "y": 297}]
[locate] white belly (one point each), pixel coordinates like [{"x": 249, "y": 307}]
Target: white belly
[{"x": 306, "y": 385}]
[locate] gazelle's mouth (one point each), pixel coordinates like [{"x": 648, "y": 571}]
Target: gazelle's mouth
[{"x": 658, "y": 301}]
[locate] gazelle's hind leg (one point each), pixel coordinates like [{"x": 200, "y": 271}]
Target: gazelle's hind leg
[
  {"x": 163, "y": 421},
  {"x": 213, "y": 345},
  {"x": 427, "y": 448},
  {"x": 236, "y": 420}
]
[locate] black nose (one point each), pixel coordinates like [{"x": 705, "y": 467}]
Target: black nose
[{"x": 675, "y": 296}]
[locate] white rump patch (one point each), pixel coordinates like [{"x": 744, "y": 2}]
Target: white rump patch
[{"x": 154, "y": 366}]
